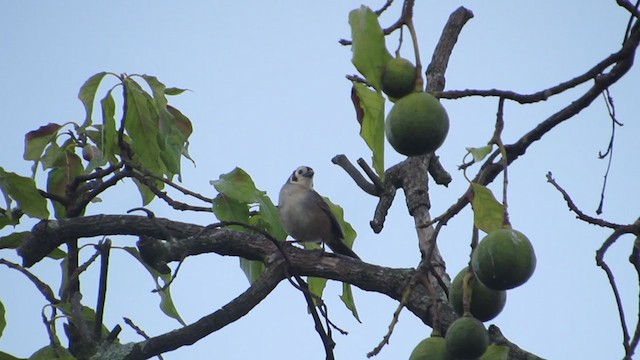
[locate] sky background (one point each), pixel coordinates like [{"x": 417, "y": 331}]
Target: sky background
[{"x": 268, "y": 94}]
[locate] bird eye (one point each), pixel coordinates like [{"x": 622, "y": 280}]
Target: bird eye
[{"x": 300, "y": 171}]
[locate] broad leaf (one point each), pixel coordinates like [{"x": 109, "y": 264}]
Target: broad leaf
[
  {"x": 316, "y": 286},
  {"x": 271, "y": 217},
  {"x": 35, "y": 141},
  {"x": 23, "y": 190},
  {"x": 238, "y": 185},
  {"x": 12, "y": 241},
  {"x": 158, "y": 90},
  {"x": 480, "y": 153},
  {"x": 488, "y": 213},
  {"x": 348, "y": 230},
  {"x": 141, "y": 124},
  {"x": 87, "y": 95},
  {"x": 369, "y": 50},
  {"x": 146, "y": 193},
  {"x": 371, "y": 105},
  {"x": 5, "y": 356}
]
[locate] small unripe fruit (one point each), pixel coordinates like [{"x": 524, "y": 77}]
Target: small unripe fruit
[
  {"x": 398, "y": 77},
  {"x": 486, "y": 303},
  {"x": 504, "y": 259},
  {"x": 467, "y": 338},
  {"x": 431, "y": 348}
]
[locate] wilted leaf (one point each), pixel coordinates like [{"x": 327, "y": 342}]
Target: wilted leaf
[
  {"x": 36, "y": 141},
  {"x": 87, "y": 95},
  {"x": 372, "y": 127},
  {"x": 369, "y": 50},
  {"x": 480, "y": 153},
  {"x": 23, "y": 190},
  {"x": 488, "y": 213}
]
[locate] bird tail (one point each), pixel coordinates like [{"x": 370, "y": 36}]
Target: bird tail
[{"x": 339, "y": 247}]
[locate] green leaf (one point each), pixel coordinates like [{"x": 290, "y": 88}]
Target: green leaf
[
  {"x": 146, "y": 193},
  {"x": 5, "y": 356},
  {"x": 35, "y": 141},
  {"x": 488, "y": 213},
  {"x": 349, "y": 302},
  {"x": 166, "y": 302},
  {"x": 173, "y": 91},
  {"x": 87, "y": 314},
  {"x": 480, "y": 153},
  {"x": 12, "y": 241},
  {"x": 8, "y": 218},
  {"x": 67, "y": 166},
  {"x": 141, "y": 124},
  {"x": 23, "y": 190},
  {"x": 348, "y": 230},
  {"x": 252, "y": 269},
  {"x": 496, "y": 352},
  {"x": 371, "y": 104},
  {"x": 87, "y": 95},
  {"x": 109, "y": 135},
  {"x": 269, "y": 213},
  {"x": 183, "y": 125},
  {"x": 316, "y": 286},
  {"x": 50, "y": 352},
  {"x": 226, "y": 208},
  {"x": 57, "y": 254},
  {"x": 369, "y": 50},
  {"x": 238, "y": 185},
  {"x": 3, "y": 321},
  {"x": 158, "y": 90}
]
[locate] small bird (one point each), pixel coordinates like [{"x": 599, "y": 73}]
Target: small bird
[{"x": 306, "y": 216}]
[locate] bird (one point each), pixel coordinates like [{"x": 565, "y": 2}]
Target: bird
[{"x": 306, "y": 216}]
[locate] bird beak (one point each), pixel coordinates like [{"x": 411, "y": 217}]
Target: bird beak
[{"x": 309, "y": 173}]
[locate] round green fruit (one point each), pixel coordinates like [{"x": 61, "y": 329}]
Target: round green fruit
[
  {"x": 504, "y": 259},
  {"x": 417, "y": 124},
  {"x": 431, "y": 348},
  {"x": 398, "y": 77},
  {"x": 467, "y": 338},
  {"x": 486, "y": 303}
]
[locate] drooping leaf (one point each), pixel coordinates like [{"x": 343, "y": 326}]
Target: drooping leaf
[
  {"x": 371, "y": 104},
  {"x": 269, "y": 213},
  {"x": 87, "y": 95},
  {"x": 23, "y": 190},
  {"x": 183, "y": 124},
  {"x": 12, "y": 241},
  {"x": 166, "y": 302},
  {"x": 36, "y": 141},
  {"x": 146, "y": 194},
  {"x": 316, "y": 286},
  {"x": 238, "y": 185},
  {"x": 348, "y": 230},
  {"x": 109, "y": 137},
  {"x": 349, "y": 302},
  {"x": 480, "y": 153},
  {"x": 368, "y": 46},
  {"x": 57, "y": 254},
  {"x": 488, "y": 213},
  {"x": 141, "y": 124},
  {"x": 496, "y": 352}
]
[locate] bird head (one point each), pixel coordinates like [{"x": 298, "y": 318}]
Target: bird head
[{"x": 302, "y": 176}]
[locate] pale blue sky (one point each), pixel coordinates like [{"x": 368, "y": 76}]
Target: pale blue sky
[{"x": 269, "y": 94}]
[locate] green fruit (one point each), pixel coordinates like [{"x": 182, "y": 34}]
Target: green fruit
[
  {"x": 431, "y": 348},
  {"x": 398, "y": 77},
  {"x": 504, "y": 259},
  {"x": 417, "y": 124},
  {"x": 467, "y": 338},
  {"x": 486, "y": 303}
]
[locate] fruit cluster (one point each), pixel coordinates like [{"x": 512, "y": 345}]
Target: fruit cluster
[{"x": 503, "y": 260}]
